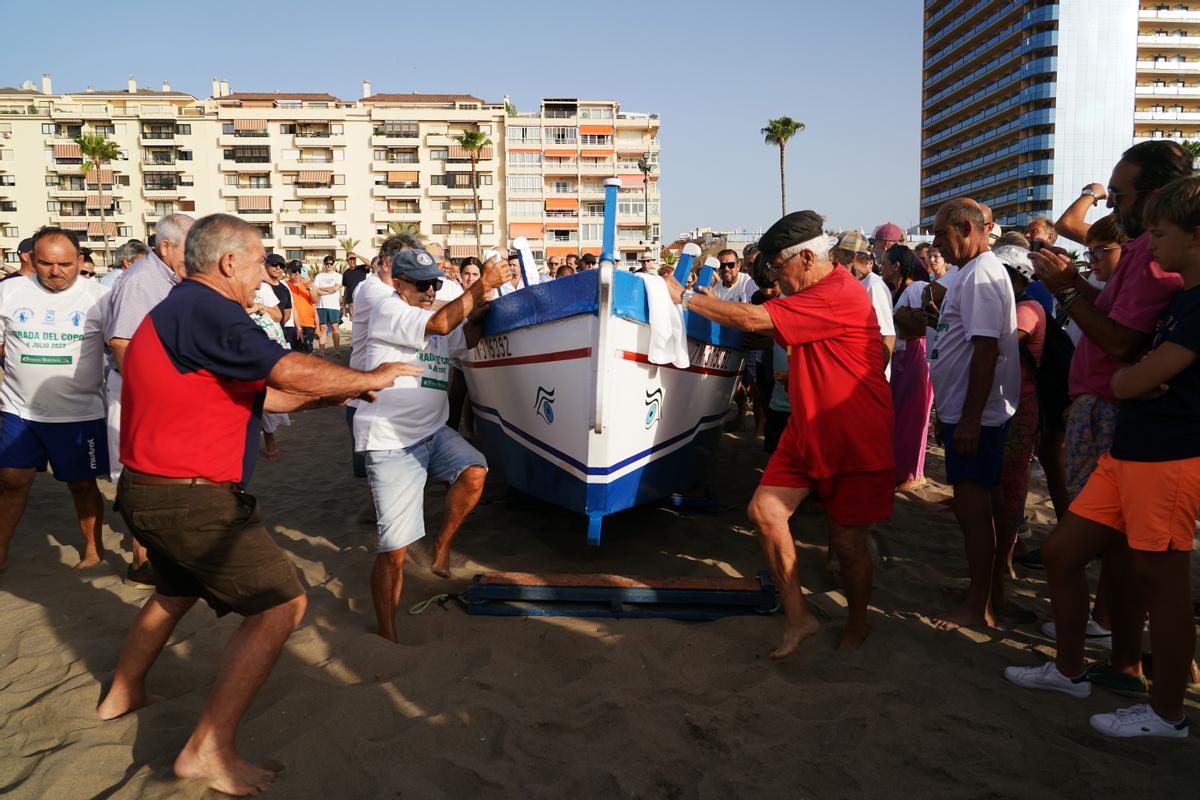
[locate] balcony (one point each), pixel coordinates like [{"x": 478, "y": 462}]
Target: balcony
[
  {"x": 485, "y": 215},
  {"x": 309, "y": 241},
  {"x": 396, "y": 216},
  {"x": 601, "y": 169},
  {"x": 438, "y": 140},
  {"x": 1170, "y": 67},
  {"x": 156, "y": 137},
  {"x": 321, "y": 191},
  {"x": 308, "y": 215},
  {"x": 394, "y": 166},
  {"x": 1166, "y": 116},
  {"x": 1151, "y": 15},
  {"x": 465, "y": 191},
  {"x": 57, "y": 192},
  {"x": 327, "y": 159},
  {"x": 383, "y": 190},
  {"x": 160, "y": 165},
  {"x": 1182, "y": 92},
  {"x": 394, "y": 140},
  {"x": 558, "y": 166},
  {"x": 1140, "y": 139},
  {"x": 1169, "y": 41},
  {"x": 318, "y": 140},
  {"x": 255, "y": 165}
]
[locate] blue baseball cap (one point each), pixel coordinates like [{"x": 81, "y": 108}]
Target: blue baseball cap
[{"x": 415, "y": 265}]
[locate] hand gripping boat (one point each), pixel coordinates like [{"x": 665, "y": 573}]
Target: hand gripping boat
[{"x": 567, "y": 403}]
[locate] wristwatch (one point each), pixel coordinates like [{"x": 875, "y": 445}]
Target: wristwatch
[
  {"x": 1066, "y": 297},
  {"x": 1088, "y": 191},
  {"x": 687, "y": 298}
]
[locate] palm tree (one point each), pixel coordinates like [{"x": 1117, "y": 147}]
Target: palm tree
[
  {"x": 1192, "y": 148},
  {"x": 778, "y": 132},
  {"x": 98, "y": 150},
  {"x": 348, "y": 244},
  {"x": 411, "y": 228},
  {"x": 474, "y": 142}
]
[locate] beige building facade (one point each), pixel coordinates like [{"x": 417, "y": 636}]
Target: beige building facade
[{"x": 311, "y": 170}]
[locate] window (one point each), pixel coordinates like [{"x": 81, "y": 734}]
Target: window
[
  {"x": 524, "y": 184},
  {"x": 339, "y": 180},
  {"x": 294, "y": 255},
  {"x": 185, "y": 155},
  {"x": 11, "y": 256},
  {"x": 52, "y": 180},
  {"x": 158, "y": 181},
  {"x": 124, "y": 230},
  {"x": 591, "y": 138},
  {"x": 339, "y": 205},
  {"x": 488, "y": 227},
  {"x": 339, "y": 230},
  {"x": 337, "y": 128},
  {"x": 7, "y": 205},
  {"x": 380, "y": 155},
  {"x": 595, "y": 113},
  {"x": 231, "y": 180},
  {"x": 293, "y": 230},
  {"x": 48, "y": 128},
  {"x": 441, "y": 230},
  {"x": 260, "y": 182},
  {"x": 8, "y": 180},
  {"x": 487, "y": 205},
  {"x": 483, "y": 180},
  {"x": 437, "y": 180},
  {"x": 524, "y": 134},
  {"x": 524, "y": 208},
  {"x": 397, "y": 130},
  {"x": 438, "y": 153},
  {"x": 524, "y": 159},
  {"x": 184, "y": 129},
  {"x": 561, "y": 135},
  {"x": 288, "y": 179},
  {"x": 590, "y": 231},
  {"x": 562, "y": 187},
  {"x": 443, "y": 205},
  {"x": 52, "y": 206},
  {"x": 287, "y": 127},
  {"x": 561, "y": 236},
  {"x": 227, "y": 128}
]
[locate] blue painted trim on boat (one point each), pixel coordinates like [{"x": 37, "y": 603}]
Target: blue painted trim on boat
[
  {"x": 529, "y": 472},
  {"x": 578, "y": 294},
  {"x": 579, "y": 465}
]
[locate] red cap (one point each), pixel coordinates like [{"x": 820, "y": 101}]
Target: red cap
[{"x": 887, "y": 232}]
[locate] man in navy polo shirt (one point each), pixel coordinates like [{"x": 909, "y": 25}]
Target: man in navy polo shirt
[{"x": 198, "y": 374}]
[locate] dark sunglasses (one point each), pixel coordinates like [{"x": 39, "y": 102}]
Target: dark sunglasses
[
  {"x": 425, "y": 286},
  {"x": 727, "y": 265},
  {"x": 86, "y": 274}
]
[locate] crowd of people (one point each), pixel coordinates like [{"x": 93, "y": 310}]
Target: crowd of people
[{"x": 161, "y": 376}]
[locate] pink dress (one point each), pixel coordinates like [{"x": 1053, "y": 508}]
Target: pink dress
[{"x": 912, "y": 396}]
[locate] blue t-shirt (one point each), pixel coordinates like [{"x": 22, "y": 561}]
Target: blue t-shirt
[
  {"x": 1167, "y": 428},
  {"x": 1037, "y": 291}
]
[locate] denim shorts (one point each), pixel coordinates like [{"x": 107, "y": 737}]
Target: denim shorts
[{"x": 397, "y": 479}]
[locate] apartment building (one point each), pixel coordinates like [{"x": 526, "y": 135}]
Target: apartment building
[
  {"x": 1024, "y": 102},
  {"x": 311, "y": 169},
  {"x": 557, "y": 160},
  {"x": 1167, "y": 93}
]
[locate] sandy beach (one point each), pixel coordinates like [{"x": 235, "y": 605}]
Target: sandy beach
[{"x": 469, "y": 706}]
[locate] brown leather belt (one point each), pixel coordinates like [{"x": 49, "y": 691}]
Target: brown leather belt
[{"x": 143, "y": 479}]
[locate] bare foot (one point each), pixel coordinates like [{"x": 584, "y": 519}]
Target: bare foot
[
  {"x": 223, "y": 772},
  {"x": 853, "y": 637},
  {"x": 441, "y": 563},
  {"x": 963, "y": 617},
  {"x": 119, "y": 701},
  {"x": 793, "y": 635},
  {"x": 89, "y": 560},
  {"x": 908, "y": 486}
]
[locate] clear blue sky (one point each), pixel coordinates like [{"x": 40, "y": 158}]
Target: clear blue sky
[{"x": 714, "y": 71}]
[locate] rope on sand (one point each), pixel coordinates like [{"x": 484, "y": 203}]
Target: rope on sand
[{"x": 440, "y": 599}]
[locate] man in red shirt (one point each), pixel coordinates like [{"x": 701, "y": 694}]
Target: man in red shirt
[
  {"x": 198, "y": 375},
  {"x": 837, "y": 445}
]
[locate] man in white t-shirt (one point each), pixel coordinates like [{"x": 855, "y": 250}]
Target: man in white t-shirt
[
  {"x": 52, "y": 328},
  {"x": 734, "y": 284},
  {"x": 975, "y": 368},
  {"x": 403, "y": 434},
  {"x": 450, "y": 285},
  {"x": 328, "y": 284},
  {"x": 854, "y": 251}
]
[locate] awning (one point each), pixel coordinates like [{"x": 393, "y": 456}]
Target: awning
[
  {"x": 463, "y": 251},
  {"x": 249, "y": 124},
  {"x": 560, "y": 154},
  {"x": 598, "y": 154},
  {"x": 403, "y": 177},
  {"x": 93, "y": 200},
  {"x": 312, "y": 122},
  {"x": 562, "y": 251},
  {"x": 562, "y": 204},
  {"x": 67, "y": 151},
  {"x": 254, "y": 203},
  {"x": 72, "y": 225},
  {"x": 458, "y": 151},
  {"x": 632, "y": 181},
  {"x": 99, "y": 229},
  {"x": 562, "y": 224},
  {"x": 314, "y": 176},
  {"x": 596, "y": 130},
  {"x": 106, "y": 176},
  {"x": 530, "y": 230},
  {"x": 595, "y": 251}
]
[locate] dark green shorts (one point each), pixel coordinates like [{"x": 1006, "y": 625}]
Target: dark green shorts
[{"x": 209, "y": 542}]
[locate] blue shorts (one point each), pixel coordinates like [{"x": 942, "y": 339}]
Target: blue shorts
[
  {"x": 75, "y": 451},
  {"x": 398, "y": 482},
  {"x": 329, "y": 316},
  {"x": 982, "y": 468}
]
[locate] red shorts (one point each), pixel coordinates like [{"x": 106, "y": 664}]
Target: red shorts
[{"x": 850, "y": 499}]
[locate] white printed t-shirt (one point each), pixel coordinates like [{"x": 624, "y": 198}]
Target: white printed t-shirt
[
  {"x": 980, "y": 302},
  {"x": 413, "y": 408},
  {"x": 369, "y": 293},
  {"x": 881, "y": 301},
  {"x": 742, "y": 290},
  {"x": 53, "y": 350},
  {"x": 323, "y": 281}
]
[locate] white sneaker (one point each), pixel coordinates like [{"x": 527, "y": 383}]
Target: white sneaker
[
  {"x": 1096, "y": 634},
  {"x": 1139, "y": 720},
  {"x": 1049, "y": 678}
]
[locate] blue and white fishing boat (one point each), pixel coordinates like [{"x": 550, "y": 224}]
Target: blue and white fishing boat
[{"x": 568, "y": 404}]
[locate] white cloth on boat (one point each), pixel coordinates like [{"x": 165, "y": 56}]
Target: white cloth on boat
[{"x": 668, "y": 338}]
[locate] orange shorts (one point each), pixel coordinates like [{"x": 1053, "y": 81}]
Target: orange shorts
[{"x": 1154, "y": 503}]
